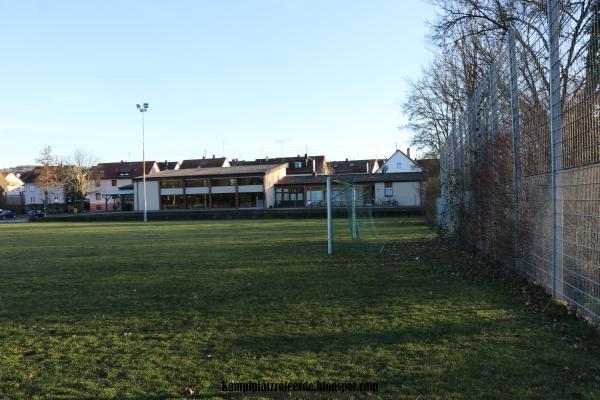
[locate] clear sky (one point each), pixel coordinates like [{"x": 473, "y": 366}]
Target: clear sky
[{"x": 249, "y": 78}]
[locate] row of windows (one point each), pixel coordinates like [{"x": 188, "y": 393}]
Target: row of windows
[
  {"x": 179, "y": 183},
  {"x": 215, "y": 200}
]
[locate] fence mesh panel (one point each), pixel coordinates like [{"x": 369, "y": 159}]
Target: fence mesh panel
[{"x": 521, "y": 166}]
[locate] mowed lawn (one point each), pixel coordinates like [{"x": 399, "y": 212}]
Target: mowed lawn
[{"x": 167, "y": 309}]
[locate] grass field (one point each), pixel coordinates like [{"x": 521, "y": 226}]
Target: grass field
[{"x": 126, "y": 310}]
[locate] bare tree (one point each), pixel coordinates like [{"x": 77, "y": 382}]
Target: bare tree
[
  {"x": 470, "y": 34},
  {"x": 76, "y": 175},
  {"x": 47, "y": 173}
]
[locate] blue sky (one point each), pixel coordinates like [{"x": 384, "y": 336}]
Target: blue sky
[{"x": 250, "y": 78}]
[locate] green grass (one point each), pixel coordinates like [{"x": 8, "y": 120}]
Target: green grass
[{"x": 126, "y": 310}]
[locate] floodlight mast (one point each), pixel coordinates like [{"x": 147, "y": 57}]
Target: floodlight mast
[{"x": 144, "y": 109}]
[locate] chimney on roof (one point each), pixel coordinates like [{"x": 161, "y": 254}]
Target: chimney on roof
[
  {"x": 213, "y": 156},
  {"x": 166, "y": 164},
  {"x": 346, "y": 159},
  {"x": 408, "y": 152},
  {"x": 368, "y": 169}
]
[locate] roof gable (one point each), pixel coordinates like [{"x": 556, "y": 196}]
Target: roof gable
[
  {"x": 399, "y": 162},
  {"x": 354, "y": 166},
  {"x": 204, "y": 163}
]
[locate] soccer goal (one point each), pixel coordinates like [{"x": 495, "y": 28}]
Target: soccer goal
[{"x": 350, "y": 214}]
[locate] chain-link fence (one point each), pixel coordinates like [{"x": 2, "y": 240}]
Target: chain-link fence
[{"x": 521, "y": 167}]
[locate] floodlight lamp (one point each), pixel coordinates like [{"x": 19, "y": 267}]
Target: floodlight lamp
[
  {"x": 138, "y": 106},
  {"x": 146, "y": 106}
]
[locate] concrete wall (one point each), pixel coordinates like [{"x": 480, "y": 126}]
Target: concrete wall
[
  {"x": 269, "y": 185},
  {"x": 152, "y": 195},
  {"x": 407, "y": 194}
]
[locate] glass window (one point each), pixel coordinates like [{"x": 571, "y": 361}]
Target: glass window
[
  {"x": 113, "y": 182},
  {"x": 222, "y": 182},
  {"x": 171, "y": 201},
  {"x": 315, "y": 195},
  {"x": 196, "y": 201},
  {"x": 289, "y": 197},
  {"x": 171, "y": 184},
  {"x": 250, "y": 180},
  {"x": 197, "y": 182},
  {"x": 223, "y": 200},
  {"x": 251, "y": 200},
  {"x": 388, "y": 190},
  {"x": 98, "y": 196}
]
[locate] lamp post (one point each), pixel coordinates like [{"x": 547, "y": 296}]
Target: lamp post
[{"x": 143, "y": 109}]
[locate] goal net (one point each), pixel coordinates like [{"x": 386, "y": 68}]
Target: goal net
[{"x": 350, "y": 221}]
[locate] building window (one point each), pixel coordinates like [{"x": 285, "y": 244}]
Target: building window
[
  {"x": 296, "y": 165},
  {"x": 222, "y": 182},
  {"x": 314, "y": 195},
  {"x": 171, "y": 184},
  {"x": 250, "y": 180},
  {"x": 223, "y": 200},
  {"x": 98, "y": 207},
  {"x": 388, "y": 190},
  {"x": 196, "y": 201},
  {"x": 171, "y": 201},
  {"x": 289, "y": 197},
  {"x": 98, "y": 196},
  {"x": 97, "y": 182},
  {"x": 32, "y": 200},
  {"x": 196, "y": 183},
  {"x": 113, "y": 182},
  {"x": 251, "y": 200}
]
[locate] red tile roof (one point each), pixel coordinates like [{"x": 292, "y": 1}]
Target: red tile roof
[
  {"x": 306, "y": 168},
  {"x": 203, "y": 163},
  {"x": 123, "y": 169}
]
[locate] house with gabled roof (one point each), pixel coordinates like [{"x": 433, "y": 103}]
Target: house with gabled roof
[
  {"x": 354, "y": 166},
  {"x": 205, "y": 163},
  {"x": 299, "y": 165},
  {"x": 399, "y": 162},
  {"x": 110, "y": 190},
  {"x": 40, "y": 187}
]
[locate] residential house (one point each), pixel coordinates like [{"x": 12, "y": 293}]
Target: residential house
[
  {"x": 111, "y": 190},
  {"x": 395, "y": 182},
  {"x": 168, "y": 165},
  {"x": 391, "y": 191},
  {"x": 41, "y": 188},
  {"x": 399, "y": 162},
  {"x": 241, "y": 186},
  {"x": 15, "y": 191},
  {"x": 354, "y": 166},
  {"x": 205, "y": 163},
  {"x": 300, "y": 165}
]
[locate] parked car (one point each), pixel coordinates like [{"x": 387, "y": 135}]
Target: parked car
[
  {"x": 34, "y": 215},
  {"x": 7, "y": 214}
]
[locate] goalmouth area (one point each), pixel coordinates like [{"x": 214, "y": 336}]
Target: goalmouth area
[{"x": 183, "y": 309}]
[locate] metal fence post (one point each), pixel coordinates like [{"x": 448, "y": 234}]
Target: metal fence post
[
  {"x": 514, "y": 105},
  {"x": 555, "y": 128}
]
